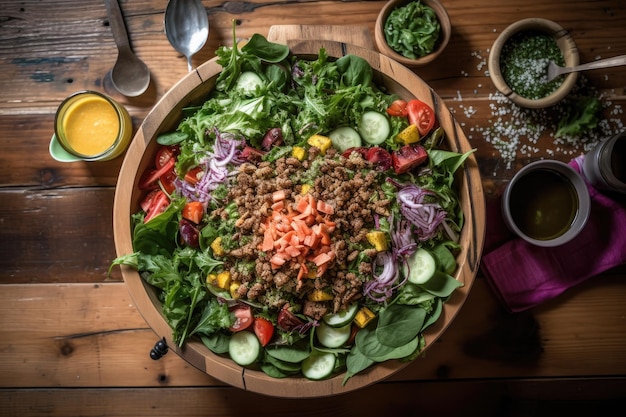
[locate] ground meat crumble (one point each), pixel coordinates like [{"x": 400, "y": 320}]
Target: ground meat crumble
[{"x": 350, "y": 186}]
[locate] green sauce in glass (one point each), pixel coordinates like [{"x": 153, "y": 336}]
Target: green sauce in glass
[{"x": 524, "y": 64}]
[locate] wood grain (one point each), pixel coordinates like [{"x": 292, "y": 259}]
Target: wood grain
[{"x": 565, "y": 357}]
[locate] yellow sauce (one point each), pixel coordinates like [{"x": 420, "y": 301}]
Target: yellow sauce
[{"x": 91, "y": 125}]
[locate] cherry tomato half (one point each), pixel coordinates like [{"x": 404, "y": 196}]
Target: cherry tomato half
[
  {"x": 421, "y": 115},
  {"x": 194, "y": 175},
  {"x": 397, "y": 108},
  {"x": 167, "y": 181},
  {"x": 264, "y": 330},
  {"x": 243, "y": 317},
  {"x": 149, "y": 179},
  {"x": 159, "y": 203},
  {"x": 165, "y": 154}
]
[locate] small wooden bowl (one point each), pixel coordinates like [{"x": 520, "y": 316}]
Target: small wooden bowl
[
  {"x": 444, "y": 38},
  {"x": 193, "y": 90},
  {"x": 563, "y": 40}
]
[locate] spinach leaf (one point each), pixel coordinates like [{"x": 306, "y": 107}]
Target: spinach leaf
[
  {"x": 297, "y": 352},
  {"x": 216, "y": 342},
  {"x": 370, "y": 346},
  {"x": 441, "y": 284},
  {"x": 355, "y": 363},
  {"x": 581, "y": 115},
  {"x": 398, "y": 324}
]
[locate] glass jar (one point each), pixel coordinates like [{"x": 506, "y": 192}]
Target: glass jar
[
  {"x": 605, "y": 165},
  {"x": 91, "y": 126}
]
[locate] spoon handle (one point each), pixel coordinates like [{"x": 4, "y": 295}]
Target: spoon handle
[
  {"x": 602, "y": 63},
  {"x": 116, "y": 21}
]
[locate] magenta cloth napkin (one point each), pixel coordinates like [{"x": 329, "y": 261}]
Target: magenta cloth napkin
[{"x": 523, "y": 275}]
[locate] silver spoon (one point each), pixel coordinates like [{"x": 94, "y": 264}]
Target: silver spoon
[
  {"x": 186, "y": 27},
  {"x": 130, "y": 76},
  {"x": 554, "y": 70}
]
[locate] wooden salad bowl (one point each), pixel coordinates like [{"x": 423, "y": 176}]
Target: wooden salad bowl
[{"x": 165, "y": 116}]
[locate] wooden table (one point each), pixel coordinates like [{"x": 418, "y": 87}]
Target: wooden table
[{"x": 71, "y": 340}]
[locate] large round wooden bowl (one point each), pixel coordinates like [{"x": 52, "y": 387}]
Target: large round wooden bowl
[{"x": 165, "y": 116}]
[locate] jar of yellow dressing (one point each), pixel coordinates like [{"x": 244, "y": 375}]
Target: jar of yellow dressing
[{"x": 90, "y": 126}]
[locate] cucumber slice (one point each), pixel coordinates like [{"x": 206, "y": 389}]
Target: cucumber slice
[
  {"x": 248, "y": 81},
  {"x": 420, "y": 267},
  {"x": 319, "y": 365},
  {"x": 344, "y": 138},
  {"x": 333, "y": 337},
  {"x": 374, "y": 127},
  {"x": 341, "y": 318},
  {"x": 244, "y": 348}
]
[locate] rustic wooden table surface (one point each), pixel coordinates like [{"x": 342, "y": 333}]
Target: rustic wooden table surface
[{"x": 71, "y": 340}]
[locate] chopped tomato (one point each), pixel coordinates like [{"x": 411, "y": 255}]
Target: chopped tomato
[
  {"x": 194, "y": 175},
  {"x": 287, "y": 320},
  {"x": 165, "y": 154},
  {"x": 408, "y": 157},
  {"x": 397, "y": 108},
  {"x": 159, "y": 203},
  {"x": 251, "y": 154},
  {"x": 379, "y": 157},
  {"x": 421, "y": 115},
  {"x": 243, "y": 317},
  {"x": 264, "y": 330},
  {"x": 149, "y": 179},
  {"x": 167, "y": 181},
  {"x": 360, "y": 150},
  {"x": 193, "y": 211}
]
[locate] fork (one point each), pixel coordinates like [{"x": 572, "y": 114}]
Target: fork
[{"x": 554, "y": 70}]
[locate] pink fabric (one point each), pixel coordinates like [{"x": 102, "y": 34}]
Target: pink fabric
[{"x": 523, "y": 275}]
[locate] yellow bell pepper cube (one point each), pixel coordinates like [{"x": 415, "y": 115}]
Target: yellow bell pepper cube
[
  {"x": 298, "y": 152},
  {"x": 305, "y": 189},
  {"x": 363, "y": 317},
  {"x": 216, "y": 246},
  {"x": 233, "y": 289},
  {"x": 319, "y": 295},
  {"x": 223, "y": 280},
  {"x": 409, "y": 135},
  {"x": 321, "y": 142},
  {"x": 211, "y": 279},
  {"x": 378, "y": 239}
]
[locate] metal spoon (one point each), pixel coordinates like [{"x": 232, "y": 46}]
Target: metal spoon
[
  {"x": 186, "y": 27},
  {"x": 130, "y": 75},
  {"x": 554, "y": 70}
]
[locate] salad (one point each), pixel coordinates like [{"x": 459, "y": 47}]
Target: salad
[{"x": 301, "y": 220}]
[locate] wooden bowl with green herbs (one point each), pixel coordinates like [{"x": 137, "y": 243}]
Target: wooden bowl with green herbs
[
  {"x": 185, "y": 289},
  {"x": 412, "y": 32},
  {"x": 519, "y": 58}
]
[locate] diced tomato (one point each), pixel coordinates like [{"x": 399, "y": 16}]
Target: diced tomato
[
  {"x": 421, "y": 115},
  {"x": 251, "y": 154},
  {"x": 397, "y": 108},
  {"x": 165, "y": 154},
  {"x": 408, "y": 157},
  {"x": 243, "y": 317},
  {"x": 287, "y": 320},
  {"x": 149, "y": 179},
  {"x": 264, "y": 330},
  {"x": 159, "y": 203},
  {"x": 167, "y": 181},
  {"x": 194, "y": 175},
  {"x": 193, "y": 211},
  {"x": 379, "y": 157},
  {"x": 361, "y": 150}
]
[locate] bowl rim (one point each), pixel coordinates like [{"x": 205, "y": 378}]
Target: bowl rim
[
  {"x": 192, "y": 87},
  {"x": 564, "y": 41},
  {"x": 582, "y": 193},
  {"x": 384, "y": 48}
]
